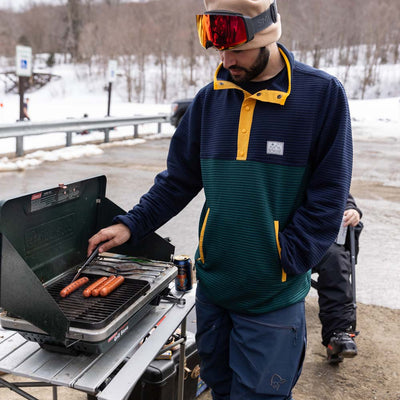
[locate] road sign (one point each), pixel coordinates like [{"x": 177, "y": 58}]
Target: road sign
[
  {"x": 112, "y": 70},
  {"x": 23, "y": 61}
]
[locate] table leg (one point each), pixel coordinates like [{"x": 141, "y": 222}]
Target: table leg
[
  {"x": 182, "y": 361},
  {"x": 16, "y": 389}
]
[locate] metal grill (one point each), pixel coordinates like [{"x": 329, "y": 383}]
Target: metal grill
[
  {"x": 96, "y": 312},
  {"x": 43, "y": 240}
]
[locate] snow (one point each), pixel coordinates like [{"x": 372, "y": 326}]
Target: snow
[
  {"x": 70, "y": 97},
  {"x": 377, "y": 119}
]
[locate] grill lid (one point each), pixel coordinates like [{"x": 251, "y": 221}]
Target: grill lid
[{"x": 50, "y": 228}]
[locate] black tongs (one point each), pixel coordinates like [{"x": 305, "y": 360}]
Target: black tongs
[{"x": 88, "y": 261}]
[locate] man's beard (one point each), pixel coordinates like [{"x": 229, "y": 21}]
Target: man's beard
[{"x": 256, "y": 69}]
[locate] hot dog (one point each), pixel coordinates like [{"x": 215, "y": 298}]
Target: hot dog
[
  {"x": 110, "y": 287},
  {"x": 95, "y": 292},
  {"x": 73, "y": 286},
  {"x": 88, "y": 291}
]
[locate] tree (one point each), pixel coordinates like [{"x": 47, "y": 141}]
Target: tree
[
  {"x": 321, "y": 32},
  {"x": 74, "y": 28}
]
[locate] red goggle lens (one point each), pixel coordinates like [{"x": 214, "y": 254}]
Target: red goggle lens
[{"x": 221, "y": 31}]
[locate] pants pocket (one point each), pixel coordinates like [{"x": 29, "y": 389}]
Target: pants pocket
[
  {"x": 210, "y": 318},
  {"x": 266, "y": 356}
]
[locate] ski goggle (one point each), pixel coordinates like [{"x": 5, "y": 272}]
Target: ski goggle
[{"x": 225, "y": 30}]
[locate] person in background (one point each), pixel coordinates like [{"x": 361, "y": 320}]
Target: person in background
[
  {"x": 269, "y": 141},
  {"x": 25, "y": 109},
  {"x": 335, "y": 293}
]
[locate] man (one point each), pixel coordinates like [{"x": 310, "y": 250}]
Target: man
[
  {"x": 337, "y": 311},
  {"x": 270, "y": 143},
  {"x": 25, "y": 109}
]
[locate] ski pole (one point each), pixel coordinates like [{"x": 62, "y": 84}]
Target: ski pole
[{"x": 353, "y": 265}]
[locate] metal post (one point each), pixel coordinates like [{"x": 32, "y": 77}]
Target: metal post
[
  {"x": 106, "y": 135},
  {"x": 109, "y": 98},
  {"x": 19, "y": 141},
  {"x": 135, "y": 131},
  {"x": 55, "y": 396},
  {"x": 159, "y": 127},
  {"x": 182, "y": 361},
  {"x": 68, "y": 142}
]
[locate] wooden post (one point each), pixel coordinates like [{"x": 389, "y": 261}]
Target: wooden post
[{"x": 21, "y": 90}]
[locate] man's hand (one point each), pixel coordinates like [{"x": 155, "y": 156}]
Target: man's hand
[
  {"x": 351, "y": 218},
  {"x": 112, "y": 236}
]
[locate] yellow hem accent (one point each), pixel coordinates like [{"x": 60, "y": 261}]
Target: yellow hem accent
[
  {"x": 203, "y": 228},
  {"x": 276, "y": 226}
]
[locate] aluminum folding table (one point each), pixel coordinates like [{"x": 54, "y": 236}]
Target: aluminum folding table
[{"x": 108, "y": 376}]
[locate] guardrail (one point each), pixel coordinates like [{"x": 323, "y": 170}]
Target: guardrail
[{"x": 21, "y": 129}]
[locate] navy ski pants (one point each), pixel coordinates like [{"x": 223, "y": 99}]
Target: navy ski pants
[{"x": 250, "y": 357}]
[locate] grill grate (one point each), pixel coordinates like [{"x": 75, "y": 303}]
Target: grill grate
[{"x": 96, "y": 312}]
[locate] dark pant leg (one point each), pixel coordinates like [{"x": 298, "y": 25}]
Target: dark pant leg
[
  {"x": 267, "y": 353},
  {"x": 212, "y": 338},
  {"x": 337, "y": 311}
]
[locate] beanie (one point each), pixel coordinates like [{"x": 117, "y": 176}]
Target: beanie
[{"x": 250, "y": 8}]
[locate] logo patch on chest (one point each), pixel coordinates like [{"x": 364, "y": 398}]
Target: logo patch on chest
[{"x": 275, "y": 148}]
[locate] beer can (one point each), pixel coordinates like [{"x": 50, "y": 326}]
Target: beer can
[{"x": 183, "y": 280}]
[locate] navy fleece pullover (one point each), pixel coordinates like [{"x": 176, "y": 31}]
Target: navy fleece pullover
[{"x": 275, "y": 160}]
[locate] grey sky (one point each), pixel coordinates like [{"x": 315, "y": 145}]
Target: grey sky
[{"x": 20, "y": 4}]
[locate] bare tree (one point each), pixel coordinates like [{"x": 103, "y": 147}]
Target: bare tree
[
  {"x": 127, "y": 44},
  {"x": 321, "y": 31},
  {"x": 8, "y": 33},
  {"x": 74, "y": 28}
]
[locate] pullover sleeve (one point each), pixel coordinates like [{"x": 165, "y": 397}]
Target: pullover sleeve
[
  {"x": 173, "y": 188},
  {"x": 315, "y": 224}
]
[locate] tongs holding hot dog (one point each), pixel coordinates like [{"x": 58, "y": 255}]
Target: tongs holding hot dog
[{"x": 88, "y": 261}]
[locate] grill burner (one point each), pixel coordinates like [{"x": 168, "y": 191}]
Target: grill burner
[{"x": 96, "y": 312}]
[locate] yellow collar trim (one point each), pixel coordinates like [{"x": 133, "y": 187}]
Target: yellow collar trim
[{"x": 269, "y": 96}]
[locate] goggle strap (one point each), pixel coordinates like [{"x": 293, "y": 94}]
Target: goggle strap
[{"x": 265, "y": 19}]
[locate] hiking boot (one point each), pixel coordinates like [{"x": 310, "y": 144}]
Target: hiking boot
[
  {"x": 334, "y": 359},
  {"x": 341, "y": 346}
]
